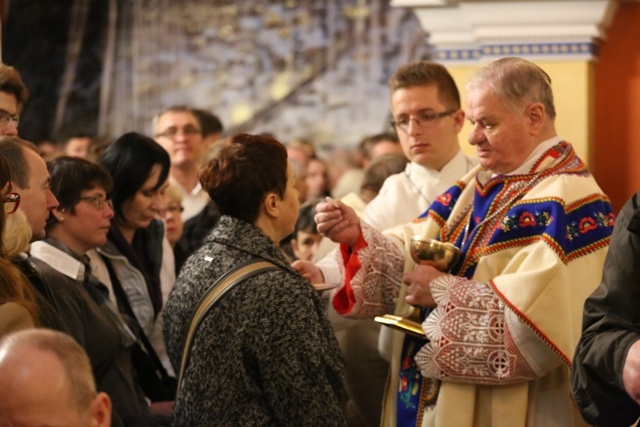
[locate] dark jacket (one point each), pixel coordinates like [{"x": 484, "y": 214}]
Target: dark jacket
[
  {"x": 93, "y": 328},
  {"x": 265, "y": 354},
  {"x": 611, "y": 324},
  {"x": 194, "y": 232},
  {"x": 49, "y": 311}
]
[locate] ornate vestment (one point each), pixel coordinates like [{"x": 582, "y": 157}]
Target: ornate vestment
[{"x": 509, "y": 317}]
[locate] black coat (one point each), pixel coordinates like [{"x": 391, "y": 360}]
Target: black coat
[{"x": 611, "y": 324}]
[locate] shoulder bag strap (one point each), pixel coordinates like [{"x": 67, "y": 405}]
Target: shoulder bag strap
[{"x": 215, "y": 292}]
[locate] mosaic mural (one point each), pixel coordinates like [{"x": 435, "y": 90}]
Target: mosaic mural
[{"x": 292, "y": 68}]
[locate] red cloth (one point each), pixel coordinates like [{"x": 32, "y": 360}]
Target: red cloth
[{"x": 344, "y": 299}]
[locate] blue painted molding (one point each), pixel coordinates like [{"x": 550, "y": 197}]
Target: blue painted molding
[{"x": 552, "y": 50}]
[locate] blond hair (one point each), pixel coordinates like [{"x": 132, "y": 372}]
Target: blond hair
[{"x": 17, "y": 234}]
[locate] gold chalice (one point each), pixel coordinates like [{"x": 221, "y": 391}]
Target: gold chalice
[
  {"x": 424, "y": 251},
  {"x": 441, "y": 255}
]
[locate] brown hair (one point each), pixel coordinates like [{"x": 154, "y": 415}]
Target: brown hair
[
  {"x": 12, "y": 148},
  {"x": 70, "y": 176},
  {"x": 366, "y": 145},
  {"x": 14, "y": 286},
  {"x": 11, "y": 82},
  {"x": 246, "y": 169},
  {"x": 426, "y": 73}
]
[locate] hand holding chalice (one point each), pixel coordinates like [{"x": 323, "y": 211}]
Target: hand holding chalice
[{"x": 424, "y": 251}]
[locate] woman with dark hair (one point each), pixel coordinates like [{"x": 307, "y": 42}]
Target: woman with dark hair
[
  {"x": 78, "y": 225},
  {"x": 136, "y": 262},
  {"x": 264, "y": 354},
  {"x": 18, "y": 309}
]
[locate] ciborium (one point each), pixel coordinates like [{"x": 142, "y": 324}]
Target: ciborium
[{"x": 424, "y": 251}]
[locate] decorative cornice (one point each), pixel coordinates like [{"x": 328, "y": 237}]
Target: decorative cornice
[{"x": 472, "y": 31}]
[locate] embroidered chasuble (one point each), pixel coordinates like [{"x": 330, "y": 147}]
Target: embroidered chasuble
[{"x": 509, "y": 316}]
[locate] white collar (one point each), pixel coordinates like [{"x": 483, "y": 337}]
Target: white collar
[
  {"x": 450, "y": 172},
  {"x": 194, "y": 192},
  {"x": 59, "y": 260}
]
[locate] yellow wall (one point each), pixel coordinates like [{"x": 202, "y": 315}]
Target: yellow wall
[{"x": 573, "y": 99}]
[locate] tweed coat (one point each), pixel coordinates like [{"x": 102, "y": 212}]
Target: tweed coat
[{"x": 265, "y": 354}]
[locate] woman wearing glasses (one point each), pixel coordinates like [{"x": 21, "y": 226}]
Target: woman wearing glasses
[
  {"x": 18, "y": 309},
  {"x": 78, "y": 225}
]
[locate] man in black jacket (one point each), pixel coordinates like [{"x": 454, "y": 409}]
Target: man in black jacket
[{"x": 605, "y": 374}]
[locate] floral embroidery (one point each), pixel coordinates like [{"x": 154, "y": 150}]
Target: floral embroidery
[
  {"x": 526, "y": 219},
  {"x": 444, "y": 199},
  {"x": 587, "y": 224}
]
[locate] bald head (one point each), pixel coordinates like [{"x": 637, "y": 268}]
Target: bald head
[{"x": 47, "y": 380}]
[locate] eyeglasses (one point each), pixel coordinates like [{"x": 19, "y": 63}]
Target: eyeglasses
[
  {"x": 6, "y": 118},
  {"x": 422, "y": 119},
  {"x": 11, "y": 203},
  {"x": 171, "y": 209},
  {"x": 97, "y": 201},
  {"x": 172, "y": 132}
]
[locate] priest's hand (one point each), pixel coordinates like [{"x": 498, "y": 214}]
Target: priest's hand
[
  {"x": 418, "y": 281},
  {"x": 338, "y": 222}
]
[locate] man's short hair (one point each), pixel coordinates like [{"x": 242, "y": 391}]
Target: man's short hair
[
  {"x": 11, "y": 82},
  {"x": 426, "y": 73},
  {"x": 12, "y": 148},
  {"x": 74, "y": 360},
  {"x": 209, "y": 123}
]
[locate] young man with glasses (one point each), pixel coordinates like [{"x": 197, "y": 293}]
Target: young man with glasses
[
  {"x": 13, "y": 95},
  {"x": 425, "y": 104}
]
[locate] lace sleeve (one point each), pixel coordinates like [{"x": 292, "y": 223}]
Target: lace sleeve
[
  {"x": 469, "y": 337},
  {"x": 376, "y": 284}
]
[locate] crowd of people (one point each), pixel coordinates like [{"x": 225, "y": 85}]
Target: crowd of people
[{"x": 182, "y": 278}]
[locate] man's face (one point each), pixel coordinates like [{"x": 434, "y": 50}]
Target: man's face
[
  {"x": 180, "y": 135},
  {"x": 77, "y": 147},
  {"x": 8, "y": 112},
  {"x": 37, "y": 201},
  {"x": 429, "y": 143},
  {"x": 502, "y": 137}
]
